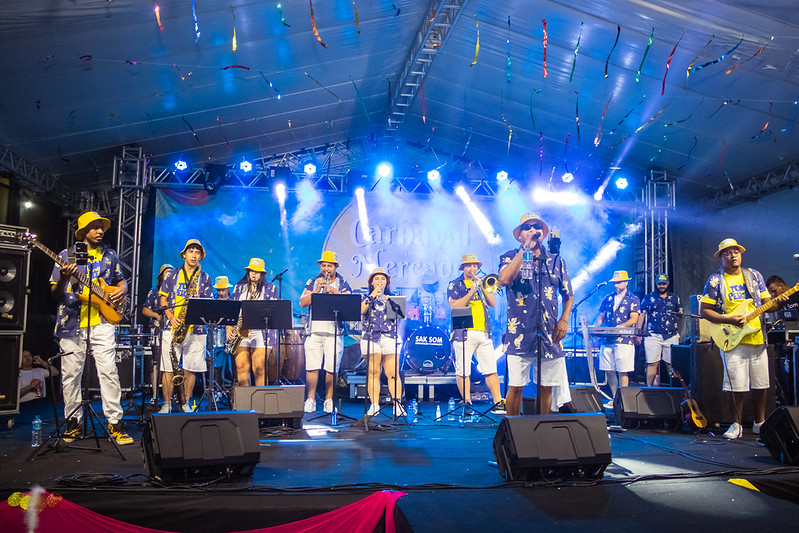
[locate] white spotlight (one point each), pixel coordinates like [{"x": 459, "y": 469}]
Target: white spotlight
[
  {"x": 621, "y": 183},
  {"x": 480, "y": 219},
  {"x": 384, "y": 170},
  {"x": 245, "y": 166},
  {"x": 434, "y": 175},
  {"x": 28, "y": 204},
  {"x": 363, "y": 218},
  {"x": 502, "y": 175},
  {"x": 309, "y": 169},
  {"x": 280, "y": 192},
  {"x": 568, "y": 177}
]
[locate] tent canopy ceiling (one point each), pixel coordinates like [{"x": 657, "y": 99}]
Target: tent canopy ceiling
[{"x": 83, "y": 79}]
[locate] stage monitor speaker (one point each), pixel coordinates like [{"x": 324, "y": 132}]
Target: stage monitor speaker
[
  {"x": 193, "y": 446},
  {"x": 274, "y": 404},
  {"x": 648, "y": 407},
  {"x": 779, "y": 433},
  {"x": 14, "y": 264},
  {"x": 586, "y": 399},
  {"x": 10, "y": 359},
  {"x": 549, "y": 447}
]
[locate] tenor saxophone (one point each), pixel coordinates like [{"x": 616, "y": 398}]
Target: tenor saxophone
[
  {"x": 238, "y": 331},
  {"x": 178, "y": 336}
]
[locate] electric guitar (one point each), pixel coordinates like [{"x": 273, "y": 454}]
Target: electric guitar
[
  {"x": 101, "y": 299},
  {"x": 728, "y": 336},
  {"x": 690, "y": 410}
]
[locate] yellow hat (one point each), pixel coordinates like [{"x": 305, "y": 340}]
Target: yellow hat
[
  {"x": 165, "y": 266},
  {"x": 87, "y": 218},
  {"x": 527, "y": 217},
  {"x": 469, "y": 259},
  {"x": 193, "y": 242},
  {"x": 376, "y": 271},
  {"x": 620, "y": 275},
  {"x": 221, "y": 282},
  {"x": 256, "y": 265},
  {"x": 728, "y": 243},
  {"x": 328, "y": 257}
]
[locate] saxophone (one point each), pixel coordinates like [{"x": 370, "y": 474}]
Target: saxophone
[
  {"x": 238, "y": 331},
  {"x": 178, "y": 336}
]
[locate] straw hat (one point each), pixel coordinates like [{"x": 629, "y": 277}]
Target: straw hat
[
  {"x": 375, "y": 272},
  {"x": 728, "y": 243},
  {"x": 527, "y": 217},
  {"x": 87, "y": 218},
  {"x": 620, "y": 275},
  {"x": 469, "y": 259}
]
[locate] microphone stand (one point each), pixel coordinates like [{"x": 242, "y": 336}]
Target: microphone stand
[
  {"x": 574, "y": 315},
  {"x": 278, "y": 379}
]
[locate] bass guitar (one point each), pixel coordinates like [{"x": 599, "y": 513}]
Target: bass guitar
[
  {"x": 690, "y": 410},
  {"x": 728, "y": 336},
  {"x": 101, "y": 298}
]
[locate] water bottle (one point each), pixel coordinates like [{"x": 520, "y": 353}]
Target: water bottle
[
  {"x": 438, "y": 412},
  {"x": 414, "y": 410},
  {"x": 334, "y": 416},
  {"x": 36, "y": 432},
  {"x": 527, "y": 263},
  {"x": 451, "y": 409}
]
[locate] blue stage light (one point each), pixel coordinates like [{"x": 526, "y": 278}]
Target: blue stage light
[
  {"x": 621, "y": 183},
  {"x": 181, "y": 165},
  {"x": 309, "y": 168},
  {"x": 434, "y": 175},
  {"x": 245, "y": 165},
  {"x": 502, "y": 175},
  {"x": 568, "y": 177},
  {"x": 384, "y": 170}
]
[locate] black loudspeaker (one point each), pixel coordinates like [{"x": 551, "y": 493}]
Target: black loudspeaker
[
  {"x": 779, "y": 433},
  {"x": 275, "y": 405},
  {"x": 648, "y": 407},
  {"x": 14, "y": 263},
  {"x": 586, "y": 399},
  {"x": 193, "y": 446},
  {"x": 544, "y": 447},
  {"x": 10, "y": 359}
]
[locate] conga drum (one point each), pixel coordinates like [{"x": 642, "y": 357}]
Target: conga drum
[{"x": 292, "y": 354}]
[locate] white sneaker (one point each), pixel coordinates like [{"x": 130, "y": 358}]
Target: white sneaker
[
  {"x": 373, "y": 410},
  {"x": 756, "y": 427},
  {"x": 310, "y": 405},
  {"x": 186, "y": 409},
  {"x": 165, "y": 409},
  {"x": 736, "y": 431},
  {"x": 328, "y": 406}
]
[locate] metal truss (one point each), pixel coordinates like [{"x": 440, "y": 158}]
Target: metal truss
[
  {"x": 756, "y": 187},
  {"x": 652, "y": 254},
  {"x": 36, "y": 180},
  {"x": 438, "y": 21}
]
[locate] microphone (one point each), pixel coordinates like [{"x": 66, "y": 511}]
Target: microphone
[
  {"x": 602, "y": 284},
  {"x": 796, "y": 257}
]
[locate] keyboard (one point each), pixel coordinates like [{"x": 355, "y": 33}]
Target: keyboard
[{"x": 602, "y": 331}]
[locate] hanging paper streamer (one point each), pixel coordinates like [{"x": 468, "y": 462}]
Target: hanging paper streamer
[
  {"x": 507, "y": 44},
  {"x": 87, "y": 57},
  {"x": 235, "y": 43},
  {"x": 424, "y": 105},
  {"x": 270, "y": 84},
  {"x": 574, "y": 61},
  {"x": 222, "y": 130},
  {"x": 789, "y": 129},
  {"x": 723, "y": 151},
  {"x": 397, "y": 10},
  {"x": 468, "y": 142},
  {"x": 360, "y": 98},
  {"x": 544, "y": 22},
  {"x": 541, "y": 152},
  {"x": 357, "y": 20},
  {"x": 182, "y": 76},
  {"x": 725, "y": 102},
  {"x": 313, "y": 25},
  {"x": 627, "y": 115},
  {"x": 751, "y": 58},
  {"x": 577, "y": 115},
  {"x": 565, "y": 150},
  {"x": 131, "y": 62},
  {"x": 642, "y": 126},
  {"x": 323, "y": 87},
  {"x": 510, "y": 136},
  {"x": 196, "y": 22},
  {"x": 534, "y": 91},
  {"x": 61, "y": 156},
  {"x": 158, "y": 16},
  {"x": 598, "y": 136},
  {"x": 282, "y": 18},
  {"x": 660, "y": 150},
  {"x": 477, "y": 44},
  {"x": 668, "y": 63},
  {"x": 691, "y": 64},
  {"x": 618, "y": 32},
  {"x": 686, "y": 118},
  {"x": 720, "y": 58},
  {"x": 234, "y": 66},
  {"x": 648, "y": 46},
  {"x": 689, "y": 154},
  {"x": 192, "y": 130}
]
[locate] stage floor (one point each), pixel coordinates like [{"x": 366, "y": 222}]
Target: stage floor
[{"x": 658, "y": 480}]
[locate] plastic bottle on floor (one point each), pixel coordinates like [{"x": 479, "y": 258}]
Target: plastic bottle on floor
[
  {"x": 438, "y": 412},
  {"x": 36, "y": 432},
  {"x": 451, "y": 409},
  {"x": 414, "y": 411}
]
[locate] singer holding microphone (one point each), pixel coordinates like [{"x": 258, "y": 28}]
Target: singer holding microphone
[
  {"x": 527, "y": 271},
  {"x": 319, "y": 346}
]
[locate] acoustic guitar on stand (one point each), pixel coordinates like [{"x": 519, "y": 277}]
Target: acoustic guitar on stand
[{"x": 690, "y": 410}]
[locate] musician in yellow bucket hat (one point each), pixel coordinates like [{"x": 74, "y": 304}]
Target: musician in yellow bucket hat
[
  {"x": 619, "y": 309},
  {"x": 151, "y": 307},
  {"x": 249, "y": 346},
  {"x": 320, "y": 343},
  {"x": 730, "y": 294},
  {"x": 187, "y": 281},
  {"x": 77, "y": 320}
]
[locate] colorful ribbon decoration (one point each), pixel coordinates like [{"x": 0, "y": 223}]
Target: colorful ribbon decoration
[
  {"x": 725, "y": 102},
  {"x": 751, "y": 58},
  {"x": 477, "y": 44},
  {"x": 574, "y": 61},
  {"x": 282, "y": 18},
  {"x": 235, "y": 42},
  {"x": 686, "y": 118},
  {"x": 720, "y": 58},
  {"x": 357, "y": 20},
  {"x": 618, "y": 32},
  {"x": 627, "y": 115},
  {"x": 424, "y": 105},
  {"x": 323, "y": 87},
  {"x": 691, "y": 64},
  {"x": 789, "y": 129},
  {"x": 507, "y": 45},
  {"x": 689, "y": 154},
  {"x": 765, "y": 126},
  {"x": 565, "y": 148},
  {"x": 360, "y": 98},
  {"x": 196, "y": 22},
  {"x": 182, "y": 76},
  {"x": 192, "y": 130},
  {"x": 222, "y": 130},
  {"x": 534, "y": 91},
  {"x": 577, "y": 115},
  {"x": 723, "y": 151},
  {"x": 313, "y": 25},
  {"x": 541, "y": 152},
  {"x": 598, "y": 136},
  {"x": 158, "y": 16},
  {"x": 468, "y": 142},
  {"x": 234, "y": 66},
  {"x": 86, "y": 57},
  {"x": 544, "y": 22},
  {"x": 668, "y": 63},
  {"x": 642, "y": 126},
  {"x": 648, "y": 46},
  {"x": 270, "y": 84},
  {"x": 397, "y": 10}
]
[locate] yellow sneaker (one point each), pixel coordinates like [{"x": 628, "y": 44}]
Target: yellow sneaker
[
  {"x": 117, "y": 432},
  {"x": 74, "y": 430}
]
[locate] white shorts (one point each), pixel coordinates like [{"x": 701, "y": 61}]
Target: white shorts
[
  {"x": 618, "y": 357},
  {"x": 746, "y": 366},
  {"x": 254, "y": 340},
  {"x": 657, "y": 348},
  {"x": 319, "y": 349},
  {"x": 553, "y": 371},
  {"x": 479, "y": 344},
  {"x": 386, "y": 346},
  {"x": 191, "y": 352}
]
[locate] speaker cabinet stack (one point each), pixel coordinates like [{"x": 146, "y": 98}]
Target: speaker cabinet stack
[
  {"x": 654, "y": 407},
  {"x": 14, "y": 266},
  {"x": 780, "y": 433}
]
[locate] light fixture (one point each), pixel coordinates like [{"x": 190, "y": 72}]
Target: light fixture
[
  {"x": 621, "y": 183},
  {"x": 434, "y": 175},
  {"x": 27, "y": 204},
  {"x": 309, "y": 168},
  {"x": 181, "y": 165},
  {"x": 245, "y": 165},
  {"x": 215, "y": 176},
  {"x": 384, "y": 170},
  {"x": 502, "y": 175},
  {"x": 567, "y": 177}
]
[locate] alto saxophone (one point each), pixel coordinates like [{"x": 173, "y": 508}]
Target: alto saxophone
[
  {"x": 178, "y": 336},
  {"x": 238, "y": 331}
]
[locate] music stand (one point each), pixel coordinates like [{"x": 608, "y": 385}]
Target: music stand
[
  {"x": 461, "y": 319},
  {"x": 336, "y": 308},
  {"x": 395, "y": 310},
  {"x": 266, "y": 315},
  {"x": 212, "y": 313}
]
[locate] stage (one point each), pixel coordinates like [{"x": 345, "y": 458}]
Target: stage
[{"x": 658, "y": 480}]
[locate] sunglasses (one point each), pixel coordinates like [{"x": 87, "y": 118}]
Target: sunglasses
[{"x": 535, "y": 225}]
